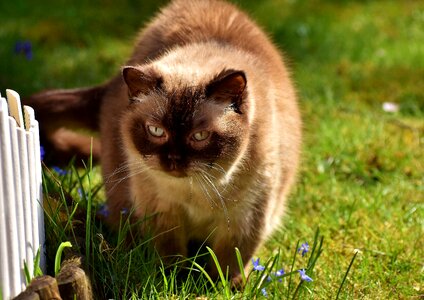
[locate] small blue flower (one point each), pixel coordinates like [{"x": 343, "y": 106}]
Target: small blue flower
[
  {"x": 28, "y": 50},
  {"x": 25, "y": 48},
  {"x": 304, "y": 248},
  {"x": 257, "y": 266},
  {"x": 42, "y": 152},
  {"x": 303, "y": 276},
  {"x": 103, "y": 211},
  {"x": 264, "y": 292},
  {"x": 59, "y": 171},
  {"x": 19, "y": 47},
  {"x": 124, "y": 211},
  {"x": 80, "y": 192},
  {"x": 279, "y": 273}
]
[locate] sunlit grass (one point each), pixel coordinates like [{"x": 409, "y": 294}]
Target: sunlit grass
[{"x": 361, "y": 179}]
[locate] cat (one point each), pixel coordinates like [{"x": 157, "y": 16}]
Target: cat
[{"x": 201, "y": 131}]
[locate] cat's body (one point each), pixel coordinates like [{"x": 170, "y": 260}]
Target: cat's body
[{"x": 210, "y": 142}]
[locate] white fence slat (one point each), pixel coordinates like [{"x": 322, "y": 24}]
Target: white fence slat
[
  {"x": 33, "y": 188},
  {"x": 21, "y": 201},
  {"x": 16, "y": 123},
  {"x": 39, "y": 186},
  {"x": 9, "y": 206},
  {"x": 4, "y": 267},
  {"x": 17, "y": 202},
  {"x": 15, "y": 110},
  {"x": 26, "y": 197}
]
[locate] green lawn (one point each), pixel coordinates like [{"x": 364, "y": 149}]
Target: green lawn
[{"x": 362, "y": 176}]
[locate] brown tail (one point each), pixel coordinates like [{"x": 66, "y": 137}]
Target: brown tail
[{"x": 68, "y": 121}]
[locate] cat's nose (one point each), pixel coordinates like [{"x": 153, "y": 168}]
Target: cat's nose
[{"x": 174, "y": 156}]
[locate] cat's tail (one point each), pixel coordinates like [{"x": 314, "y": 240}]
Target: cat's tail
[{"x": 69, "y": 122}]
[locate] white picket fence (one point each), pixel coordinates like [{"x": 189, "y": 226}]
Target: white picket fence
[{"x": 21, "y": 211}]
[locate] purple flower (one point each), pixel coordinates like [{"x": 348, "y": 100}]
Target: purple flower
[
  {"x": 59, "y": 171},
  {"x": 103, "y": 211},
  {"x": 25, "y": 48},
  {"x": 18, "y": 47},
  {"x": 264, "y": 292},
  {"x": 28, "y": 50},
  {"x": 277, "y": 274},
  {"x": 303, "y": 276},
  {"x": 257, "y": 266},
  {"x": 304, "y": 248},
  {"x": 42, "y": 152}
]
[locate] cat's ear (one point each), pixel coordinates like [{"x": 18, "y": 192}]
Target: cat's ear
[
  {"x": 140, "y": 81},
  {"x": 228, "y": 87}
]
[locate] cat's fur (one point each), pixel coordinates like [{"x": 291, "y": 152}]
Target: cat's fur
[{"x": 200, "y": 67}]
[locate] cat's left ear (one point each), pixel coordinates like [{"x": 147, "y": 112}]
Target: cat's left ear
[{"x": 228, "y": 87}]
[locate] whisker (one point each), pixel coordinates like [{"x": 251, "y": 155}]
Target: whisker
[
  {"x": 217, "y": 167},
  {"x": 141, "y": 169},
  {"x": 122, "y": 168},
  {"x": 221, "y": 198},
  {"x": 220, "y": 170},
  {"x": 205, "y": 191},
  {"x": 137, "y": 170},
  {"x": 208, "y": 174}
]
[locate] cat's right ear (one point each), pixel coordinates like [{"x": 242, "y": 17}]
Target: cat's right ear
[{"x": 140, "y": 81}]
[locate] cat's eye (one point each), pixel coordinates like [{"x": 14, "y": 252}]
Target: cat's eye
[
  {"x": 201, "y": 135},
  {"x": 156, "y": 131}
]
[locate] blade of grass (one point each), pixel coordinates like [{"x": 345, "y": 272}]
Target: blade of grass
[
  {"x": 345, "y": 276},
  {"x": 314, "y": 257},
  {"x": 314, "y": 245},
  {"x": 221, "y": 274},
  {"x": 206, "y": 275},
  {"x": 128, "y": 276},
  {"x": 297, "y": 289},
  {"x": 316, "y": 252},
  {"x": 37, "y": 269},
  {"x": 27, "y": 274},
  {"x": 291, "y": 269},
  {"x": 58, "y": 257},
  {"x": 165, "y": 278},
  {"x": 241, "y": 266},
  {"x": 88, "y": 232}
]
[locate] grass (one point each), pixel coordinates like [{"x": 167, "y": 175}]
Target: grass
[{"x": 361, "y": 181}]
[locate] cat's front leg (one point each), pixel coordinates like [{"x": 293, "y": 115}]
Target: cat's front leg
[{"x": 168, "y": 237}]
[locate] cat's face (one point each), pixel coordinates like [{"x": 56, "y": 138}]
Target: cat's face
[{"x": 185, "y": 130}]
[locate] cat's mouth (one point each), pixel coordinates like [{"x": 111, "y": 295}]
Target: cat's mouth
[{"x": 176, "y": 173}]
